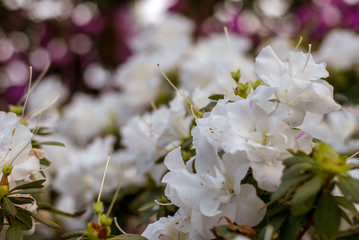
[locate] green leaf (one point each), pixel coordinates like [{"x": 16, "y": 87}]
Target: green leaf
[
  {"x": 24, "y": 219},
  {"x": 349, "y": 187},
  {"x": 286, "y": 185},
  {"x": 342, "y": 201},
  {"x": 43, "y": 131},
  {"x": 128, "y": 237},
  {"x": 44, "y": 220},
  {"x": 29, "y": 191},
  {"x": 305, "y": 195},
  {"x": 1, "y": 221},
  {"x": 327, "y": 216},
  {"x": 8, "y": 207},
  {"x": 14, "y": 233},
  {"x": 51, "y": 143},
  {"x": 209, "y": 107},
  {"x": 296, "y": 170},
  {"x": 295, "y": 160},
  {"x": 345, "y": 216},
  {"x": 292, "y": 227},
  {"x": 47, "y": 207},
  {"x": 74, "y": 234},
  {"x": 216, "y": 97},
  {"x": 21, "y": 200},
  {"x": 45, "y": 162},
  {"x": 224, "y": 232},
  {"x": 275, "y": 224},
  {"x": 34, "y": 184}
]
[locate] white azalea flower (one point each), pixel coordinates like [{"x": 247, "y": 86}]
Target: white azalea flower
[
  {"x": 154, "y": 135},
  {"x": 210, "y": 195},
  {"x": 297, "y": 81},
  {"x": 325, "y": 128}
]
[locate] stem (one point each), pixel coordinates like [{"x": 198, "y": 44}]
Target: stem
[{"x": 307, "y": 226}]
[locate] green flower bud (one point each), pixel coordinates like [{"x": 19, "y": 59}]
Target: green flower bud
[
  {"x": 105, "y": 220},
  {"x": 98, "y": 208},
  {"x": 4, "y": 191},
  {"x": 7, "y": 169}
]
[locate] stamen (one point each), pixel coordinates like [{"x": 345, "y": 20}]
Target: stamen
[
  {"x": 118, "y": 226},
  {"x": 229, "y": 47},
  {"x": 306, "y": 62},
  {"x": 37, "y": 81},
  {"x": 104, "y": 176},
  {"x": 162, "y": 204},
  {"x": 44, "y": 108},
  {"x": 298, "y": 44},
  {"x": 28, "y": 92},
  {"x": 354, "y": 155},
  {"x": 175, "y": 88},
  {"x": 122, "y": 173}
]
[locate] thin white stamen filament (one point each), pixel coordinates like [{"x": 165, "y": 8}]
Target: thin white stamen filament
[
  {"x": 229, "y": 47},
  {"x": 162, "y": 204},
  {"x": 28, "y": 92},
  {"x": 122, "y": 173},
  {"x": 104, "y": 176},
  {"x": 118, "y": 226}
]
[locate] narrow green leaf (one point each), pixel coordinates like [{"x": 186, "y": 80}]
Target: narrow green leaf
[
  {"x": 51, "y": 143},
  {"x": 348, "y": 205},
  {"x": 1, "y": 221},
  {"x": 47, "y": 207},
  {"x": 29, "y": 191},
  {"x": 43, "y": 131},
  {"x": 305, "y": 195},
  {"x": 216, "y": 97},
  {"x": 14, "y": 232},
  {"x": 276, "y": 223},
  {"x": 296, "y": 160},
  {"x": 74, "y": 234},
  {"x": 45, "y": 162},
  {"x": 349, "y": 187},
  {"x": 286, "y": 185},
  {"x": 34, "y": 184},
  {"x": 44, "y": 220},
  {"x": 128, "y": 237},
  {"x": 292, "y": 227},
  {"x": 8, "y": 207},
  {"x": 296, "y": 170},
  {"x": 209, "y": 107},
  {"x": 24, "y": 219},
  {"x": 327, "y": 216},
  {"x": 345, "y": 216},
  {"x": 21, "y": 200}
]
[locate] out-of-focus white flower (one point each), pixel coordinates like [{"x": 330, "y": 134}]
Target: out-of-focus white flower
[
  {"x": 154, "y": 135},
  {"x": 206, "y": 70},
  {"x": 139, "y": 79},
  {"x": 165, "y": 42},
  {"x": 335, "y": 128},
  {"x": 339, "y": 49}
]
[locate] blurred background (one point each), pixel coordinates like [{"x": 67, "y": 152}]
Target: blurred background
[{"x": 94, "y": 64}]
